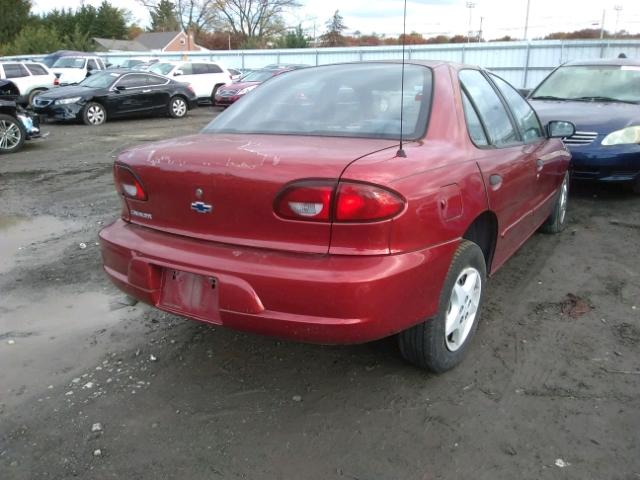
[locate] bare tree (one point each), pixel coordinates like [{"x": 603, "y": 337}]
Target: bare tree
[
  {"x": 254, "y": 19},
  {"x": 193, "y": 15}
]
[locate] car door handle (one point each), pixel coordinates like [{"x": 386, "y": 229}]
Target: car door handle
[
  {"x": 146, "y": 91},
  {"x": 539, "y": 165}
]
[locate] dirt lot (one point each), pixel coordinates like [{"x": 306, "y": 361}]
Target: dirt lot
[{"x": 550, "y": 389}]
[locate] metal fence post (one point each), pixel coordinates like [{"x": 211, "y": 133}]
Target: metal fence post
[
  {"x": 317, "y": 54},
  {"x": 526, "y": 65},
  {"x": 463, "y": 51}
]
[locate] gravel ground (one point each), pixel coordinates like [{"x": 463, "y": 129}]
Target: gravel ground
[{"x": 93, "y": 388}]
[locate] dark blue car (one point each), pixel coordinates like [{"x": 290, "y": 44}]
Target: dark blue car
[{"x": 602, "y": 99}]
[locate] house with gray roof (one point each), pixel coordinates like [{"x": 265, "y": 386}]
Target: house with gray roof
[{"x": 154, "y": 42}]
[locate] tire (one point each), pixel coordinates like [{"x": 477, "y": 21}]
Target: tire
[
  {"x": 33, "y": 94},
  {"x": 427, "y": 345},
  {"x": 557, "y": 221},
  {"x": 213, "y": 94},
  {"x": 177, "y": 107},
  {"x": 94, "y": 114},
  {"x": 12, "y": 134}
]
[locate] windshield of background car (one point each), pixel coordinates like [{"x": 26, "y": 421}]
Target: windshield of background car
[
  {"x": 257, "y": 76},
  {"x": 69, "y": 62},
  {"x": 621, "y": 83},
  {"x": 100, "y": 80},
  {"x": 161, "y": 68},
  {"x": 354, "y": 100}
]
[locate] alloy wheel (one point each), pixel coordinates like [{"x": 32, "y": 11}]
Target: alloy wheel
[
  {"x": 564, "y": 195},
  {"x": 179, "y": 107},
  {"x": 10, "y": 135},
  {"x": 463, "y": 307},
  {"x": 95, "y": 115}
]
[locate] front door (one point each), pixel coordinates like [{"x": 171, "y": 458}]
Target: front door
[{"x": 130, "y": 95}]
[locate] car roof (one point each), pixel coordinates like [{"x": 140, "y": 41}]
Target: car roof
[{"x": 621, "y": 62}]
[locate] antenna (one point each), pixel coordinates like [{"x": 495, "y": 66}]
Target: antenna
[{"x": 401, "y": 152}]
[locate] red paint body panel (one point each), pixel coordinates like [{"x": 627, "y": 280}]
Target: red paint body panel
[
  {"x": 306, "y": 297},
  {"x": 320, "y": 281}
]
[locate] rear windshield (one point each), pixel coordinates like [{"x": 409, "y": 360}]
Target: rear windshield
[
  {"x": 592, "y": 82},
  {"x": 69, "y": 62},
  {"x": 352, "y": 100},
  {"x": 258, "y": 76},
  {"x": 161, "y": 68}
]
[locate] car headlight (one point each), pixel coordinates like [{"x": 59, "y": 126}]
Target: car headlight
[
  {"x": 246, "y": 90},
  {"x": 67, "y": 101},
  {"x": 625, "y": 136}
]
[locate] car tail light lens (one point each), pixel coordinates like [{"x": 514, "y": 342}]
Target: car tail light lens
[
  {"x": 308, "y": 200},
  {"x": 361, "y": 202},
  {"x": 127, "y": 183},
  {"x": 56, "y": 81},
  {"x": 190, "y": 88},
  {"x": 322, "y": 201}
]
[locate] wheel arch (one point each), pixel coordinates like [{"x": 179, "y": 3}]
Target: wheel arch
[{"x": 483, "y": 231}]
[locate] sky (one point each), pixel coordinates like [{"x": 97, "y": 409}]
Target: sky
[{"x": 435, "y": 17}]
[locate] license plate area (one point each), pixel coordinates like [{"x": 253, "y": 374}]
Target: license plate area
[{"x": 190, "y": 294}]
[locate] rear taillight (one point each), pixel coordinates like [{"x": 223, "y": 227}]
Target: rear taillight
[
  {"x": 361, "y": 202},
  {"x": 127, "y": 183},
  {"x": 56, "y": 81},
  {"x": 307, "y": 200},
  {"x": 328, "y": 200}
]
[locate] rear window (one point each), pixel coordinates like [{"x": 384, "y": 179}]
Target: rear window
[
  {"x": 36, "y": 69},
  {"x": 355, "y": 100}
]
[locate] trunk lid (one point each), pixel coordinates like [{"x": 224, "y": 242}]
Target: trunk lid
[{"x": 222, "y": 187}]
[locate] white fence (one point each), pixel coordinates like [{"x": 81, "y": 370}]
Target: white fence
[{"x": 524, "y": 64}]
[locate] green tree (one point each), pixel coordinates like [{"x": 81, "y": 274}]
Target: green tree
[
  {"x": 333, "y": 36},
  {"x": 78, "y": 40},
  {"x": 63, "y": 21},
  {"x": 34, "y": 39},
  {"x": 110, "y": 22},
  {"x": 164, "y": 17},
  {"x": 15, "y": 15},
  {"x": 293, "y": 39}
]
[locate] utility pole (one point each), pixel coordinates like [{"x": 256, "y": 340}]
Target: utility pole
[
  {"x": 526, "y": 21},
  {"x": 604, "y": 14},
  {"x": 618, "y": 9},
  {"x": 480, "y": 31},
  {"x": 470, "y": 6}
]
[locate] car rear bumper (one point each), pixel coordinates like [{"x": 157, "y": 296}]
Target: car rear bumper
[
  {"x": 221, "y": 101},
  {"x": 619, "y": 163},
  {"x": 328, "y": 299}
]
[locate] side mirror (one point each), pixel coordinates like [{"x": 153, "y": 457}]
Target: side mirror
[
  {"x": 560, "y": 129},
  {"x": 178, "y": 73},
  {"x": 121, "y": 88}
]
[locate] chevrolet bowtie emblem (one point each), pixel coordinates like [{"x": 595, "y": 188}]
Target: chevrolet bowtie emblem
[{"x": 201, "y": 207}]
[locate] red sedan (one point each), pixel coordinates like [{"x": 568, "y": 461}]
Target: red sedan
[
  {"x": 229, "y": 94},
  {"x": 297, "y": 214}
]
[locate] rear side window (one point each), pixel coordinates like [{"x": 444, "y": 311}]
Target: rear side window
[
  {"x": 213, "y": 68},
  {"x": 474, "y": 125},
  {"x": 200, "y": 68},
  {"x": 36, "y": 69},
  {"x": 525, "y": 116},
  {"x": 15, "y": 70},
  {"x": 154, "y": 80},
  {"x": 490, "y": 108}
]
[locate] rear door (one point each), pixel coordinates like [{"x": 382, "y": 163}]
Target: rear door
[
  {"x": 18, "y": 74},
  {"x": 158, "y": 91},
  {"x": 548, "y": 155},
  {"x": 506, "y": 163}
]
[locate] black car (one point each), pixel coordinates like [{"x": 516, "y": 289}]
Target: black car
[
  {"x": 116, "y": 94},
  {"x": 16, "y": 124}
]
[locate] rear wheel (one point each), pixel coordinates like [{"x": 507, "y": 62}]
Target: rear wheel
[
  {"x": 12, "y": 134},
  {"x": 94, "y": 114},
  {"x": 177, "y": 107},
  {"x": 557, "y": 221},
  {"x": 440, "y": 344},
  {"x": 213, "y": 94}
]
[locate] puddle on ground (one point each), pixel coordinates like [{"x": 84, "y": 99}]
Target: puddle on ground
[
  {"x": 47, "y": 334},
  {"x": 18, "y": 233}
]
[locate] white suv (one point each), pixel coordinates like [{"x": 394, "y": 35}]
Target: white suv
[
  {"x": 204, "y": 77},
  {"x": 31, "y": 78},
  {"x": 71, "y": 70}
]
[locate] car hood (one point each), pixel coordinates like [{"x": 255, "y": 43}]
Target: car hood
[
  {"x": 68, "y": 91},
  {"x": 601, "y": 117}
]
